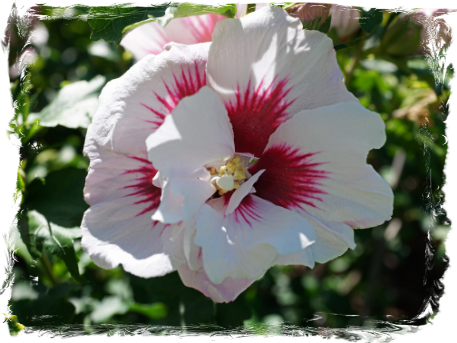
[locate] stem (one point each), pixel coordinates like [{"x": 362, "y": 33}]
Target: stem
[
  {"x": 251, "y": 8},
  {"x": 47, "y": 268},
  {"x": 355, "y": 61}
]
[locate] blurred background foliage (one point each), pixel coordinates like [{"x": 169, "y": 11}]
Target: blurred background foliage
[{"x": 384, "y": 277}]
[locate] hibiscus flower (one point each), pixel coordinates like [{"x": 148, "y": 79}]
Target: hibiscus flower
[
  {"x": 149, "y": 39},
  {"x": 222, "y": 159}
]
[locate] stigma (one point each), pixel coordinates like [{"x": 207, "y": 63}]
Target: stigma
[{"x": 229, "y": 176}]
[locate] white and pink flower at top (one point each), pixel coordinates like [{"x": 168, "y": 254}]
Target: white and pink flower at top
[
  {"x": 221, "y": 159},
  {"x": 345, "y": 19},
  {"x": 149, "y": 39}
]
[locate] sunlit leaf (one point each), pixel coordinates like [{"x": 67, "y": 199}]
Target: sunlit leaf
[
  {"x": 108, "y": 307},
  {"x": 17, "y": 180},
  {"x": 73, "y": 106},
  {"x": 10, "y": 330},
  {"x": 56, "y": 240},
  {"x": 227, "y": 8},
  {"x": 155, "y": 311}
]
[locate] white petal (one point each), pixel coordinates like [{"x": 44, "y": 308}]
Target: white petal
[
  {"x": 113, "y": 234},
  {"x": 181, "y": 199},
  {"x": 315, "y": 164},
  {"x": 345, "y": 20},
  {"x": 198, "y": 132},
  {"x": 333, "y": 239},
  {"x": 134, "y": 105},
  {"x": 245, "y": 243},
  {"x": 226, "y": 291},
  {"x": 117, "y": 229},
  {"x": 144, "y": 40},
  {"x": 266, "y": 57},
  {"x": 304, "y": 257},
  {"x": 241, "y": 192},
  {"x": 193, "y": 29},
  {"x": 191, "y": 251}
]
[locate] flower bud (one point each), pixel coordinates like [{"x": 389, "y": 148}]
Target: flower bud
[
  {"x": 439, "y": 25},
  {"x": 345, "y": 20},
  {"x": 308, "y": 11}
]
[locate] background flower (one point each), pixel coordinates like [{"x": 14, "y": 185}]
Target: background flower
[
  {"x": 151, "y": 38},
  {"x": 345, "y": 19}
]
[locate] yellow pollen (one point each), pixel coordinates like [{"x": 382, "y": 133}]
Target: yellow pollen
[
  {"x": 233, "y": 167},
  {"x": 240, "y": 174}
]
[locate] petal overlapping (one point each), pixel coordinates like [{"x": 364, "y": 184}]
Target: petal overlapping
[
  {"x": 194, "y": 135},
  {"x": 244, "y": 244},
  {"x": 226, "y": 291},
  {"x": 123, "y": 237},
  {"x": 135, "y": 105},
  {"x": 118, "y": 227},
  {"x": 266, "y": 68},
  {"x": 315, "y": 164},
  {"x": 189, "y": 138}
]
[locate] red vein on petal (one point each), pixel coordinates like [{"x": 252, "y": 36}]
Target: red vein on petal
[
  {"x": 187, "y": 83},
  {"x": 248, "y": 210},
  {"x": 291, "y": 179},
  {"x": 256, "y": 114},
  {"x": 142, "y": 186}
]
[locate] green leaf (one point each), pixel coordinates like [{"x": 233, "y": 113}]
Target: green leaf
[
  {"x": 10, "y": 330},
  {"x": 230, "y": 317},
  {"x": 188, "y": 8},
  {"x": 47, "y": 317},
  {"x": 107, "y": 308},
  {"x": 16, "y": 179},
  {"x": 157, "y": 310},
  {"x": 312, "y": 25},
  {"x": 347, "y": 44},
  {"x": 74, "y": 105},
  {"x": 56, "y": 240},
  {"x": 10, "y": 196},
  {"x": 108, "y": 23},
  {"x": 370, "y": 19},
  {"x": 325, "y": 25},
  {"x": 59, "y": 197}
]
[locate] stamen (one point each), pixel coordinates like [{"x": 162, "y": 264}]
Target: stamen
[{"x": 230, "y": 176}]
